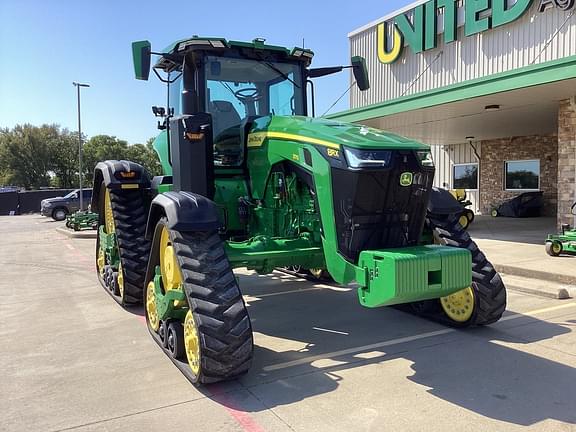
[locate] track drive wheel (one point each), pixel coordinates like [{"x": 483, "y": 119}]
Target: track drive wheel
[
  {"x": 215, "y": 338},
  {"x": 484, "y": 301},
  {"x": 554, "y": 248},
  {"x": 123, "y": 212}
]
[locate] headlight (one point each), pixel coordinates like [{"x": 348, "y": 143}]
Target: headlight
[
  {"x": 425, "y": 158},
  {"x": 362, "y": 158}
]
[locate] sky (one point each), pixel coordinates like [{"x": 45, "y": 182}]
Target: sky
[{"x": 45, "y": 45}]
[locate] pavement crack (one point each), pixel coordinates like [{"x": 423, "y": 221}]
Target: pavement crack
[{"x": 129, "y": 415}]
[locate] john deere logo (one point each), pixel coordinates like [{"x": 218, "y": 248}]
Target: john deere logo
[{"x": 406, "y": 179}]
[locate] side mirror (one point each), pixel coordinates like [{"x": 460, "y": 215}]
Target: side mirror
[
  {"x": 360, "y": 72},
  {"x": 75, "y": 196},
  {"x": 141, "y": 53}
]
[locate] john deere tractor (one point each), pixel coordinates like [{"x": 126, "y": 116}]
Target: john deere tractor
[{"x": 250, "y": 180}]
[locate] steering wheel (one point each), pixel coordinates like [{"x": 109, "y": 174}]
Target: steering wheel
[{"x": 248, "y": 94}]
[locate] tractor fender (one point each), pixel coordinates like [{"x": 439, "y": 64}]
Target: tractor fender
[
  {"x": 185, "y": 211},
  {"x": 442, "y": 202},
  {"x": 115, "y": 174}
]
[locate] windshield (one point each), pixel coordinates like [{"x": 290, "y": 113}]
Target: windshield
[{"x": 238, "y": 88}]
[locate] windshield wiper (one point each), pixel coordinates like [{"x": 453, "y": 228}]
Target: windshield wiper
[{"x": 278, "y": 71}]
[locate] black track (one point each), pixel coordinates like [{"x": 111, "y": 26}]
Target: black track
[
  {"x": 219, "y": 311},
  {"x": 129, "y": 208}
]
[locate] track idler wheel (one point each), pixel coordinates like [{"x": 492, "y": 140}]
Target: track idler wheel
[{"x": 175, "y": 340}]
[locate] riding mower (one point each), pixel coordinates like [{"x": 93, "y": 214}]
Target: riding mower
[
  {"x": 466, "y": 215},
  {"x": 81, "y": 220},
  {"x": 562, "y": 243}
]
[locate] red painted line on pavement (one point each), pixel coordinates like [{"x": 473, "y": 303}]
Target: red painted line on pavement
[{"x": 245, "y": 420}]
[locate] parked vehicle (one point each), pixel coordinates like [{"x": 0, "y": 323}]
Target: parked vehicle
[
  {"x": 528, "y": 204},
  {"x": 250, "y": 181},
  {"x": 60, "y": 207}
]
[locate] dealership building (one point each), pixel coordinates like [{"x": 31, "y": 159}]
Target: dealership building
[{"x": 491, "y": 85}]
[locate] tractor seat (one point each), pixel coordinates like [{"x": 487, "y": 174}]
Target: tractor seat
[{"x": 224, "y": 116}]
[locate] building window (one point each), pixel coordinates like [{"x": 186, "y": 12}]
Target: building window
[
  {"x": 522, "y": 175},
  {"x": 465, "y": 176}
]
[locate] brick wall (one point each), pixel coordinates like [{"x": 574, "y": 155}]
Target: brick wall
[
  {"x": 496, "y": 152},
  {"x": 566, "y": 161}
]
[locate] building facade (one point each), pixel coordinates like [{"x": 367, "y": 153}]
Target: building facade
[{"x": 489, "y": 84}]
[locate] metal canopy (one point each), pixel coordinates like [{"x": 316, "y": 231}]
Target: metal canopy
[{"x": 527, "y": 111}]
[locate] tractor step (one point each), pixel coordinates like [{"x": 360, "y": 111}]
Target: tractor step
[{"x": 396, "y": 276}]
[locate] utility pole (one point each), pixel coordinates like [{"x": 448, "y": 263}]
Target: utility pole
[{"x": 78, "y": 85}]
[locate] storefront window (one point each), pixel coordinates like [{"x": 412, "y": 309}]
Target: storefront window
[
  {"x": 465, "y": 176},
  {"x": 522, "y": 175}
]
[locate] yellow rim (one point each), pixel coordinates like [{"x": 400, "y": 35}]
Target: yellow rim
[
  {"x": 151, "y": 310},
  {"x": 108, "y": 215},
  {"x": 192, "y": 343},
  {"x": 120, "y": 280},
  {"x": 460, "y": 305},
  {"x": 556, "y": 248},
  {"x": 463, "y": 221},
  {"x": 101, "y": 262},
  {"x": 171, "y": 277}
]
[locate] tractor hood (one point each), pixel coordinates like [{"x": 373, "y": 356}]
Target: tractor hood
[{"x": 334, "y": 132}]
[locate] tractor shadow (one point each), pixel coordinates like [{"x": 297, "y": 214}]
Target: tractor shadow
[{"x": 482, "y": 370}]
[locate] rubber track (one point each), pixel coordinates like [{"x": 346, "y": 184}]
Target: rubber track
[
  {"x": 216, "y": 301},
  {"x": 489, "y": 289},
  {"x": 130, "y": 216}
]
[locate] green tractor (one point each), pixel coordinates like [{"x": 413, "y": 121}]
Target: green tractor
[
  {"x": 563, "y": 242},
  {"x": 250, "y": 180}
]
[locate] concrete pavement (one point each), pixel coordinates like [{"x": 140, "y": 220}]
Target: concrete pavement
[{"x": 71, "y": 359}]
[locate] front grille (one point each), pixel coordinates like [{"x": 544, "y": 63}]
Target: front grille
[{"x": 373, "y": 211}]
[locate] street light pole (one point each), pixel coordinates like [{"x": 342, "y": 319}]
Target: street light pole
[{"x": 78, "y": 85}]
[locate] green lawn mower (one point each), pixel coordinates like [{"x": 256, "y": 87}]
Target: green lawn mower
[
  {"x": 82, "y": 220},
  {"x": 562, "y": 243}
]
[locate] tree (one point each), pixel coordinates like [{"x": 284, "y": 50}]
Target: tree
[
  {"x": 25, "y": 154},
  {"x": 64, "y": 159},
  {"x": 100, "y": 148},
  {"x": 145, "y": 155}
]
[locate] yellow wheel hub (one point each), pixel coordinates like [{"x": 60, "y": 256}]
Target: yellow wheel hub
[
  {"x": 101, "y": 262},
  {"x": 151, "y": 310},
  {"x": 556, "y": 248},
  {"x": 108, "y": 215},
  {"x": 171, "y": 277},
  {"x": 192, "y": 343},
  {"x": 121, "y": 280},
  {"x": 463, "y": 220},
  {"x": 460, "y": 305}
]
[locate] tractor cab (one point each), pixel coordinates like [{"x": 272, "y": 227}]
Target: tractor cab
[{"x": 233, "y": 82}]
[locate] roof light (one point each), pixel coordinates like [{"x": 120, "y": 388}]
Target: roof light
[
  {"x": 297, "y": 52},
  {"x": 308, "y": 54},
  {"x": 217, "y": 44}
]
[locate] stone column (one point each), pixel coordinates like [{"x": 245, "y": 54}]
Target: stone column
[{"x": 566, "y": 161}]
